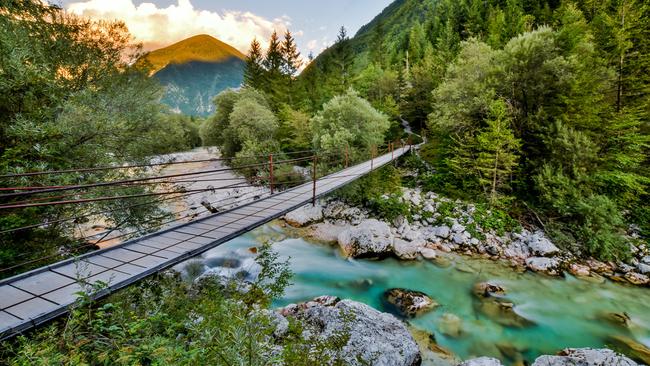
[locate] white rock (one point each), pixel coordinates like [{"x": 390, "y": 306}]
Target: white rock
[
  {"x": 482, "y": 361},
  {"x": 643, "y": 268},
  {"x": 371, "y": 237},
  {"x": 428, "y": 253},
  {"x": 429, "y": 208},
  {"x": 646, "y": 259},
  {"x": 305, "y": 215},
  {"x": 457, "y": 228},
  {"x": 460, "y": 239},
  {"x": 474, "y": 241},
  {"x": 542, "y": 264},
  {"x": 411, "y": 235},
  {"x": 540, "y": 246},
  {"x": 325, "y": 231},
  {"x": 377, "y": 338},
  {"x": 442, "y": 231},
  {"x": 406, "y": 249},
  {"x": 585, "y": 357}
]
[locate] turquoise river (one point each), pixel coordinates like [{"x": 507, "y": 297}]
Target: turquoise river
[{"x": 565, "y": 312}]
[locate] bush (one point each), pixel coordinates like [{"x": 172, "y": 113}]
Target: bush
[
  {"x": 348, "y": 121},
  {"x": 165, "y": 321},
  {"x": 385, "y": 181}
]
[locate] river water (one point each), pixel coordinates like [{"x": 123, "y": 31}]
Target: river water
[{"x": 565, "y": 312}]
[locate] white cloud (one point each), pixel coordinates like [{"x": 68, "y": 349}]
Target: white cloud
[
  {"x": 311, "y": 45},
  {"x": 156, "y": 27}
]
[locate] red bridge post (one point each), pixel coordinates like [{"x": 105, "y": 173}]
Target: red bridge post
[
  {"x": 313, "y": 172},
  {"x": 271, "y": 171}
]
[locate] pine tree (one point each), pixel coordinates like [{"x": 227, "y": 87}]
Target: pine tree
[
  {"x": 342, "y": 58},
  {"x": 273, "y": 62},
  {"x": 290, "y": 65},
  {"x": 343, "y": 35},
  {"x": 254, "y": 72},
  {"x": 497, "y": 149},
  {"x": 290, "y": 55}
]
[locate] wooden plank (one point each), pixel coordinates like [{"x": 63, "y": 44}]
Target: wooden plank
[
  {"x": 10, "y": 296},
  {"x": 123, "y": 255},
  {"x": 8, "y": 321},
  {"x": 43, "y": 282},
  {"x": 32, "y": 308},
  {"x": 66, "y": 295}
]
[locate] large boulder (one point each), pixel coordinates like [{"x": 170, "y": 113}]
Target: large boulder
[
  {"x": 525, "y": 245},
  {"x": 442, "y": 232},
  {"x": 376, "y": 338},
  {"x": 584, "y": 357},
  {"x": 408, "y": 303},
  {"x": 542, "y": 264},
  {"x": 340, "y": 212},
  {"x": 371, "y": 238},
  {"x": 540, "y": 246},
  {"x": 326, "y": 232},
  {"x": 304, "y": 216},
  {"x": 407, "y": 250}
]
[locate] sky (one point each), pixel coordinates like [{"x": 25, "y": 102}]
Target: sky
[{"x": 158, "y": 23}]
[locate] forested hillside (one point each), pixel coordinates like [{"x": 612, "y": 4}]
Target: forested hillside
[
  {"x": 540, "y": 109},
  {"x": 193, "y": 71}
]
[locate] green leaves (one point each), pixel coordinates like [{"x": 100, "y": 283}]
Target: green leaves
[{"x": 348, "y": 121}]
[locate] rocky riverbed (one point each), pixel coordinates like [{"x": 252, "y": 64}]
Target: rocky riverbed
[
  {"x": 455, "y": 307},
  {"x": 428, "y": 234}
]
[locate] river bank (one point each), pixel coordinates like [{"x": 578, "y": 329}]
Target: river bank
[
  {"x": 556, "y": 312},
  {"x": 439, "y": 225}
]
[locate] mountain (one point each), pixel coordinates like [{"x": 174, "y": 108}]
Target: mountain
[{"x": 194, "y": 71}]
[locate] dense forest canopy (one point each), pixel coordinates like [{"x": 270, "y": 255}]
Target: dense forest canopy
[{"x": 540, "y": 108}]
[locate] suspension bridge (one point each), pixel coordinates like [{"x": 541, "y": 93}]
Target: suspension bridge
[{"x": 32, "y": 298}]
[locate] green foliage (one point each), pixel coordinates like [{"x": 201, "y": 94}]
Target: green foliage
[
  {"x": 165, "y": 321},
  {"x": 348, "y": 121},
  {"x": 380, "y": 191},
  {"x": 243, "y": 125},
  {"x": 542, "y": 97},
  {"x": 69, "y": 98},
  {"x": 498, "y": 220},
  {"x": 294, "y": 133}
]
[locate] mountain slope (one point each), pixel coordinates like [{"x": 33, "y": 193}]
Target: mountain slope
[{"x": 194, "y": 71}]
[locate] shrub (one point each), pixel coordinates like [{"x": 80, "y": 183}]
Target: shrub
[{"x": 165, "y": 321}]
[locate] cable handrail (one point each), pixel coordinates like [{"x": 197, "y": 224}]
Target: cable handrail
[
  {"x": 148, "y": 165},
  {"x": 143, "y": 179}
]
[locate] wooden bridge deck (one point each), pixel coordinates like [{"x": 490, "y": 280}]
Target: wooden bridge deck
[{"x": 35, "y": 297}]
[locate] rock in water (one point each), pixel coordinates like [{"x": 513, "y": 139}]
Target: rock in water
[
  {"x": 371, "y": 238},
  {"x": 377, "y": 338},
  {"x": 618, "y": 319},
  {"x": 428, "y": 253},
  {"x": 503, "y": 313},
  {"x": 432, "y": 353},
  {"x": 450, "y": 325},
  {"x": 406, "y": 250},
  {"x": 482, "y": 361},
  {"x": 409, "y": 303},
  {"x": 585, "y": 357},
  {"x": 486, "y": 289},
  {"x": 631, "y": 348},
  {"x": 542, "y": 264},
  {"x": 305, "y": 215}
]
